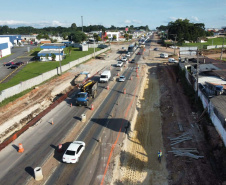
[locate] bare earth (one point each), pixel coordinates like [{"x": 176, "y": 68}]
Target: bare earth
[{"x": 161, "y": 107}]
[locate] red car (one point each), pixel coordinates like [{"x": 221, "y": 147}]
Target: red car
[
  {"x": 19, "y": 63},
  {"x": 139, "y": 53},
  {"x": 9, "y": 64}
]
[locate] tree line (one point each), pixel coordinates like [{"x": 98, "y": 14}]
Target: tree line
[{"x": 182, "y": 30}]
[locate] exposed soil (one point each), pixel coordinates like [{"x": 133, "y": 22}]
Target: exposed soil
[
  {"x": 161, "y": 108},
  {"x": 164, "y": 111}
]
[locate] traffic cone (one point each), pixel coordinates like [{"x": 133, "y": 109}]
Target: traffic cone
[
  {"x": 52, "y": 122},
  {"x": 71, "y": 104},
  {"x": 60, "y": 149},
  {"x": 92, "y": 107},
  {"x": 21, "y": 149},
  {"x": 108, "y": 87},
  {"x": 117, "y": 74},
  {"x": 124, "y": 91}
]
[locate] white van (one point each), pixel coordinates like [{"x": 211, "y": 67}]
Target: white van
[
  {"x": 105, "y": 76},
  {"x": 172, "y": 60},
  {"x": 163, "y": 55}
]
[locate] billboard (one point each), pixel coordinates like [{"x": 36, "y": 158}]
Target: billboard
[{"x": 126, "y": 29}]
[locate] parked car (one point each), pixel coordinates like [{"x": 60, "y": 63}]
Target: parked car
[
  {"x": 124, "y": 59},
  {"x": 132, "y": 61},
  {"x": 73, "y": 152},
  {"x": 156, "y": 49},
  {"x": 13, "y": 66},
  {"x": 172, "y": 60},
  {"x": 119, "y": 64},
  {"x": 122, "y": 79},
  {"x": 8, "y": 64},
  {"x": 19, "y": 63},
  {"x": 139, "y": 53}
]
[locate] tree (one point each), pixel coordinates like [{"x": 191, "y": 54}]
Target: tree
[
  {"x": 69, "y": 50},
  {"x": 95, "y": 36},
  {"x": 114, "y": 37},
  {"x": 78, "y": 36},
  {"x": 53, "y": 56},
  {"x": 73, "y": 27},
  {"x": 98, "y": 38},
  {"x": 130, "y": 36},
  {"x": 47, "y": 56},
  {"x": 106, "y": 37},
  {"x": 126, "y": 36}
]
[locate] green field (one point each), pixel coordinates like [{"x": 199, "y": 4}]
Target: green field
[
  {"x": 36, "y": 68},
  {"x": 210, "y": 42}
]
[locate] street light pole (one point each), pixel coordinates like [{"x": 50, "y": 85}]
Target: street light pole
[
  {"x": 60, "y": 61},
  {"x": 94, "y": 49},
  {"x": 222, "y": 49},
  {"x": 174, "y": 42},
  {"x": 197, "y": 76}
]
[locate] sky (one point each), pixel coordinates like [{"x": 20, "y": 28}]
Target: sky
[{"x": 44, "y": 13}]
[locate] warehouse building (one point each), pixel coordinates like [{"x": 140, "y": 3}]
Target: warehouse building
[
  {"x": 5, "y": 46},
  {"x": 14, "y": 39},
  {"x": 50, "y": 50}
]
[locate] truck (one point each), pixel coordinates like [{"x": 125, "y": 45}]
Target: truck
[
  {"x": 105, "y": 76},
  {"x": 87, "y": 90}
]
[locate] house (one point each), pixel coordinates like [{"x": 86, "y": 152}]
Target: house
[
  {"x": 211, "y": 89},
  {"x": 5, "y": 46},
  {"x": 50, "y": 49}
]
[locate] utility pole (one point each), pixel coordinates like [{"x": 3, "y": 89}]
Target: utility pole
[
  {"x": 197, "y": 77},
  {"x": 222, "y": 49},
  {"x": 94, "y": 49},
  {"x": 82, "y": 22},
  {"x": 60, "y": 61},
  {"x": 175, "y": 38}
]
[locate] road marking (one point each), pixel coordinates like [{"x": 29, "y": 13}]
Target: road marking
[{"x": 113, "y": 146}]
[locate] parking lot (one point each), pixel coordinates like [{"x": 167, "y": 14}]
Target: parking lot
[{"x": 19, "y": 54}]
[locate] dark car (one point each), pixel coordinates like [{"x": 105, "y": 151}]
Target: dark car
[
  {"x": 13, "y": 66},
  {"x": 156, "y": 49},
  {"x": 139, "y": 53},
  {"x": 19, "y": 63},
  {"x": 9, "y": 64},
  {"x": 132, "y": 61}
]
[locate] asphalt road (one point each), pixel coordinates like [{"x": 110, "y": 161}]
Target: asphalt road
[
  {"x": 17, "y": 52},
  {"x": 41, "y": 140}
]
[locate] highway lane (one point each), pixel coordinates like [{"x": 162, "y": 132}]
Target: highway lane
[
  {"x": 87, "y": 170},
  {"x": 39, "y": 144}
]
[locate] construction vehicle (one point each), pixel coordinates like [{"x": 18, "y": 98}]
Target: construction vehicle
[{"x": 88, "y": 89}]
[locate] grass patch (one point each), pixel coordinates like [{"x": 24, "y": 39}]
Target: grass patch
[
  {"x": 215, "y": 41},
  {"x": 34, "y": 69},
  {"x": 6, "y": 56},
  {"x": 12, "y": 98}
]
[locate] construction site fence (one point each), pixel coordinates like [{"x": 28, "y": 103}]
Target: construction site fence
[{"x": 6, "y": 93}]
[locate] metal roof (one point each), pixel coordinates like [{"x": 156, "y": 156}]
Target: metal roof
[{"x": 219, "y": 103}]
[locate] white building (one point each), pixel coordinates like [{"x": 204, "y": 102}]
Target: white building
[{"x": 5, "y": 46}]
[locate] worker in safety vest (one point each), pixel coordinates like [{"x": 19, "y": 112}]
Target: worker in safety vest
[{"x": 159, "y": 154}]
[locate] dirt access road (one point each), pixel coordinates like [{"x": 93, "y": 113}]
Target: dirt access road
[{"x": 162, "y": 111}]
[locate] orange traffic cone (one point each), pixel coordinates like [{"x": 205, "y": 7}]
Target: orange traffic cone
[
  {"x": 52, "y": 122},
  {"x": 71, "y": 104},
  {"x": 92, "y": 107},
  {"x": 108, "y": 87},
  {"x": 124, "y": 91},
  {"x": 117, "y": 74},
  {"x": 21, "y": 149}
]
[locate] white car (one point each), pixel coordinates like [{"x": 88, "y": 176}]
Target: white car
[
  {"x": 128, "y": 55},
  {"x": 73, "y": 152},
  {"x": 119, "y": 64},
  {"x": 172, "y": 60},
  {"x": 122, "y": 79},
  {"x": 124, "y": 59}
]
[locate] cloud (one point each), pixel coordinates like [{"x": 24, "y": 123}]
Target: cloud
[
  {"x": 40, "y": 24},
  {"x": 127, "y": 21},
  {"x": 194, "y": 18},
  {"x": 136, "y": 21}
]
